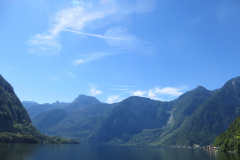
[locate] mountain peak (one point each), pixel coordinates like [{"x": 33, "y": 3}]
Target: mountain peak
[
  {"x": 83, "y": 98},
  {"x": 82, "y": 101},
  {"x": 57, "y": 102},
  {"x": 201, "y": 87}
]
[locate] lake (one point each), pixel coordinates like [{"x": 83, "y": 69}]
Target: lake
[{"x": 100, "y": 152}]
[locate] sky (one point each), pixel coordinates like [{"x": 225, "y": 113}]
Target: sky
[{"x": 113, "y": 49}]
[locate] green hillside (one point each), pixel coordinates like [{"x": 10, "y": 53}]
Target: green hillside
[
  {"x": 196, "y": 117},
  {"x": 210, "y": 118},
  {"x": 15, "y": 124},
  {"x": 35, "y": 109},
  {"x": 130, "y": 117},
  {"x": 77, "y": 124},
  {"x": 228, "y": 140}
]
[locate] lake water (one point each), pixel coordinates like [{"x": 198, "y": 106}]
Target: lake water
[{"x": 100, "y": 152}]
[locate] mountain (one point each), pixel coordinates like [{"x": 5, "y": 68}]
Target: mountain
[
  {"x": 130, "y": 117},
  {"x": 15, "y": 123},
  {"x": 82, "y": 101},
  {"x": 211, "y": 117},
  {"x": 77, "y": 124},
  {"x": 27, "y": 104},
  {"x": 227, "y": 140},
  {"x": 35, "y": 109},
  {"x": 196, "y": 117},
  {"x": 184, "y": 107},
  {"x": 156, "y": 121},
  {"x": 11, "y": 110}
]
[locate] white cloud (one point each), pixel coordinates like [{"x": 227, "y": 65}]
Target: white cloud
[
  {"x": 78, "y": 61},
  {"x": 163, "y": 92},
  {"x": 168, "y": 91},
  {"x": 94, "y": 91},
  {"x": 139, "y": 93},
  {"x": 113, "y": 99},
  {"x": 88, "y": 14},
  {"x": 151, "y": 93}
]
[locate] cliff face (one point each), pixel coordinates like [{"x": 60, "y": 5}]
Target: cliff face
[
  {"x": 210, "y": 118},
  {"x": 11, "y": 109}
]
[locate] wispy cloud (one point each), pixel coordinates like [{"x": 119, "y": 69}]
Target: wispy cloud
[
  {"x": 125, "y": 40},
  {"x": 88, "y": 14},
  {"x": 44, "y": 44},
  {"x": 121, "y": 86},
  {"x": 90, "y": 57},
  {"x": 94, "y": 91},
  {"x": 78, "y": 61},
  {"x": 113, "y": 99}
]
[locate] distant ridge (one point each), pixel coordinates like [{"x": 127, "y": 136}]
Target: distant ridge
[
  {"x": 15, "y": 123},
  {"x": 82, "y": 101},
  {"x": 196, "y": 117}
]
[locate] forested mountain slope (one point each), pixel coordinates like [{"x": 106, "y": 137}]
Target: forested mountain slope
[
  {"x": 196, "y": 117},
  {"x": 15, "y": 123}
]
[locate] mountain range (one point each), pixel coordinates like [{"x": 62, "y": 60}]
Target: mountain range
[
  {"x": 196, "y": 117},
  {"x": 15, "y": 123}
]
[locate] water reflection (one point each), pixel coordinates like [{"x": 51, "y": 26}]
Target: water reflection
[
  {"x": 10, "y": 151},
  {"x": 223, "y": 155},
  {"x": 98, "y": 152}
]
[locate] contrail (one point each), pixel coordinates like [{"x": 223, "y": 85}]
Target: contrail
[{"x": 95, "y": 35}]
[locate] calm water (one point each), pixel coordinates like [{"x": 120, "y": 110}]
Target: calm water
[{"x": 98, "y": 152}]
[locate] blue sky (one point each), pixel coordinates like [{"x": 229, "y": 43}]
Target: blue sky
[{"x": 113, "y": 49}]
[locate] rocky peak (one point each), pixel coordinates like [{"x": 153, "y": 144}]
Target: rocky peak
[{"x": 86, "y": 99}]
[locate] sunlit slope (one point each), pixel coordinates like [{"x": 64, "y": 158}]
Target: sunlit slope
[
  {"x": 210, "y": 118},
  {"x": 227, "y": 140}
]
